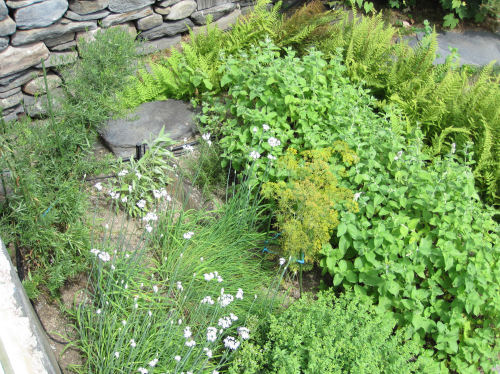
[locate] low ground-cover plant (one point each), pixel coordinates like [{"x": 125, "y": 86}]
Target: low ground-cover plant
[
  {"x": 48, "y": 161},
  {"x": 182, "y": 299},
  {"x": 325, "y": 334}
]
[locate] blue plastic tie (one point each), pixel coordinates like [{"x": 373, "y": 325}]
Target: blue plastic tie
[
  {"x": 48, "y": 210},
  {"x": 301, "y": 261}
]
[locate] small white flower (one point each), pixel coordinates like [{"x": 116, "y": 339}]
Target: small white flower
[
  {"x": 187, "y": 332},
  {"x": 165, "y": 194},
  {"x": 95, "y": 251},
  {"x": 124, "y": 322},
  {"x": 179, "y": 321},
  {"x": 113, "y": 267},
  {"x": 273, "y": 142},
  {"x": 208, "y": 352},
  {"x": 188, "y": 235},
  {"x": 255, "y": 129},
  {"x": 179, "y": 286},
  {"x": 208, "y": 276},
  {"x": 398, "y": 155},
  {"x": 255, "y": 155},
  {"x": 282, "y": 261},
  {"x": 155, "y": 288},
  {"x": 231, "y": 343},
  {"x": 190, "y": 343},
  {"x": 188, "y": 147},
  {"x": 244, "y": 333},
  {"x": 157, "y": 194},
  {"x": 126, "y": 286},
  {"x": 149, "y": 228},
  {"x": 150, "y": 313},
  {"x": 104, "y": 256},
  {"x": 98, "y": 186},
  {"x": 201, "y": 259},
  {"x": 266, "y": 127},
  {"x": 206, "y": 137},
  {"x": 124, "y": 199},
  {"x": 225, "y": 322},
  {"x": 98, "y": 311},
  {"x": 271, "y": 157},
  {"x": 141, "y": 204},
  {"x": 123, "y": 173},
  {"x": 233, "y": 317},
  {"x": 136, "y": 305},
  {"x": 153, "y": 363},
  {"x": 357, "y": 195},
  {"x": 453, "y": 147},
  {"x": 215, "y": 372},
  {"x": 132, "y": 343},
  {"x": 219, "y": 279},
  {"x": 138, "y": 175},
  {"x": 225, "y": 300},
  {"x": 143, "y": 371},
  {"x": 117, "y": 354},
  {"x": 239, "y": 294},
  {"x": 114, "y": 195},
  {"x": 177, "y": 358},
  {"x": 207, "y": 300},
  {"x": 211, "y": 334},
  {"x": 130, "y": 188}
]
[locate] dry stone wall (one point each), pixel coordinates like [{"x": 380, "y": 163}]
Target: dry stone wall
[{"x": 32, "y": 31}]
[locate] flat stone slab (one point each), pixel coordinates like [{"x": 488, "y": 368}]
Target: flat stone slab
[
  {"x": 146, "y": 122},
  {"x": 474, "y": 47}
]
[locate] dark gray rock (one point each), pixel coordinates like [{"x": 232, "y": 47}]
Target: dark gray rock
[
  {"x": 13, "y": 59},
  {"x": 5, "y": 94},
  {"x": 37, "y": 85},
  {"x": 53, "y": 31},
  {"x": 86, "y": 17},
  {"x": 60, "y": 40},
  {"x": 38, "y": 106},
  {"x": 4, "y": 12},
  {"x": 11, "y": 101},
  {"x": 167, "y": 3},
  {"x": 22, "y": 3},
  {"x": 161, "y": 10},
  {"x": 205, "y": 4},
  {"x": 7, "y": 26},
  {"x": 4, "y": 43},
  {"x": 40, "y": 14},
  {"x": 217, "y": 12},
  {"x": 87, "y": 6},
  {"x": 121, "y": 6},
  {"x": 161, "y": 44},
  {"x": 181, "y": 10},
  {"x": 121, "y": 135},
  {"x": 167, "y": 29},
  {"x": 11, "y": 115},
  {"x": 18, "y": 79},
  {"x": 149, "y": 22},
  {"x": 64, "y": 46},
  {"x": 59, "y": 59},
  {"x": 115, "y": 19}
]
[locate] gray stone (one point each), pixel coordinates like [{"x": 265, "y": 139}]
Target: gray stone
[
  {"x": 86, "y": 17},
  {"x": 4, "y": 12},
  {"x": 200, "y": 17},
  {"x": 205, "y": 4},
  {"x": 162, "y": 11},
  {"x": 38, "y": 106},
  {"x": 228, "y": 21},
  {"x": 4, "y": 43},
  {"x": 149, "y": 22},
  {"x": 53, "y": 31},
  {"x": 60, "y": 40},
  {"x": 11, "y": 115},
  {"x": 88, "y": 36},
  {"x": 115, "y": 19},
  {"x": 11, "y": 101},
  {"x": 7, "y": 26},
  {"x": 121, "y": 6},
  {"x": 167, "y": 29},
  {"x": 59, "y": 59},
  {"x": 40, "y": 14},
  {"x": 64, "y": 47},
  {"x": 181, "y": 10},
  {"x": 17, "y": 59},
  {"x": 87, "y": 6},
  {"x": 37, "y": 85},
  {"x": 177, "y": 117},
  {"x": 16, "y": 4},
  {"x": 6, "y": 94},
  {"x": 156, "y": 45},
  {"x": 18, "y": 79},
  {"x": 167, "y": 3},
  {"x": 127, "y": 27}
]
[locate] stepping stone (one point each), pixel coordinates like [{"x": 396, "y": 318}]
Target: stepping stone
[
  {"x": 145, "y": 123},
  {"x": 474, "y": 47}
]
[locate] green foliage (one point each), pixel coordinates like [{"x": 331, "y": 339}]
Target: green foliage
[
  {"x": 423, "y": 245},
  {"x": 308, "y": 196},
  {"x": 331, "y": 335},
  {"x": 102, "y": 71},
  {"x": 275, "y": 102},
  {"x": 143, "y": 180}
]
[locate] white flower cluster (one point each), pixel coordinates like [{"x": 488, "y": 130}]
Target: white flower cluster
[
  {"x": 398, "y": 155},
  {"x": 239, "y": 294},
  {"x": 231, "y": 343},
  {"x": 273, "y": 142},
  {"x": 244, "y": 333},
  {"x": 162, "y": 193},
  {"x": 225, "y": 299},
  {"x": 188, "y": 235},
  {"x": 103, "y": 255},
  {"x": 206, "y": 137},
  {"x": 211, "y": 334},
  {"x": 213, "y": 275},
  {"x": 255, "y": 155},
  {"x": 207, "y": 300},
  {"x": 123, "y": 173},
  {"x": 141, "y": 204},
  {"x": 225, "y": 322}
]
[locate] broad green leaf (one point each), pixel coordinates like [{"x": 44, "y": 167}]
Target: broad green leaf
[{"x": 341, "y": 229}]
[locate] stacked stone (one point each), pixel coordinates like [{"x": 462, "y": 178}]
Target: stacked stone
[{"x": 32, "y": 31}]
